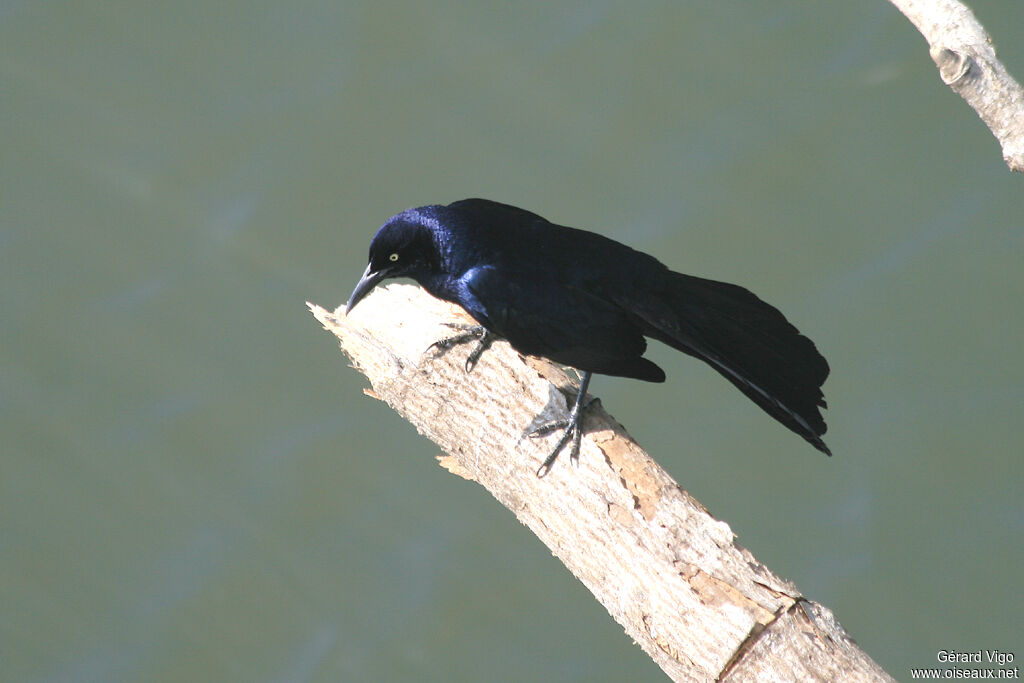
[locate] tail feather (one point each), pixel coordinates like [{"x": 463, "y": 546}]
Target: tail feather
[{"x": 749, "y": 342}]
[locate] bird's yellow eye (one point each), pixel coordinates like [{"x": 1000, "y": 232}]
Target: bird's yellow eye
[{"x": 393, "y": 257}]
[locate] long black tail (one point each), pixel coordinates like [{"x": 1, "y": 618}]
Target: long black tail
[{"x": 748, "y": 341}]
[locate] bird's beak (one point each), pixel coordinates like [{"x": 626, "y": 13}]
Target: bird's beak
[{"x": 368, "y": 281}]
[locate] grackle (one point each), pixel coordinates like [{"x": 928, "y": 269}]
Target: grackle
[{"x": 586, "y": 301}]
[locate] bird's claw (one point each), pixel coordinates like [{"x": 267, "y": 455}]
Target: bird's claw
[
  {"x": 573, "y": 426},
  {"x": 572, "y": 431},
  {"x": 468, "y": 333},
  {"x": 548, "y": 427}
]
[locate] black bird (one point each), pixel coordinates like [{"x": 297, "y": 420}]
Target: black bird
[{"x": 587, "y": 301}]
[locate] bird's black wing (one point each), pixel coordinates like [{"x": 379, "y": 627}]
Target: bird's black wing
[{"x": 542, "y": 316}]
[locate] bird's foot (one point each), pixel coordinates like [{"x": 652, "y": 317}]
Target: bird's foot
[
  {"x": 573, "y": 426},
  {"x": 468, "y": 333},
  {"x": 572, "y": 431}
]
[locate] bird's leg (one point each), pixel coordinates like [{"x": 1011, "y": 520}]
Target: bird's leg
[
  {"x": 478, "y": 333},
  {"x": 573, "y": 426}
]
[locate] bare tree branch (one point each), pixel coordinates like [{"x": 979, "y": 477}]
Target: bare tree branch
[
  {"x": 672, "y": 575},
  {"x": 967, "y": 63}
]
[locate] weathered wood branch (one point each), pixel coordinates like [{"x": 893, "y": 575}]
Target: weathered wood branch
[
  {"x": 701, "y": 606},
  {"x": 967, "y": 63}
]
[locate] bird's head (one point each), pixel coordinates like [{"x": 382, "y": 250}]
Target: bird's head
[{"x": 404, "y": 246}]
